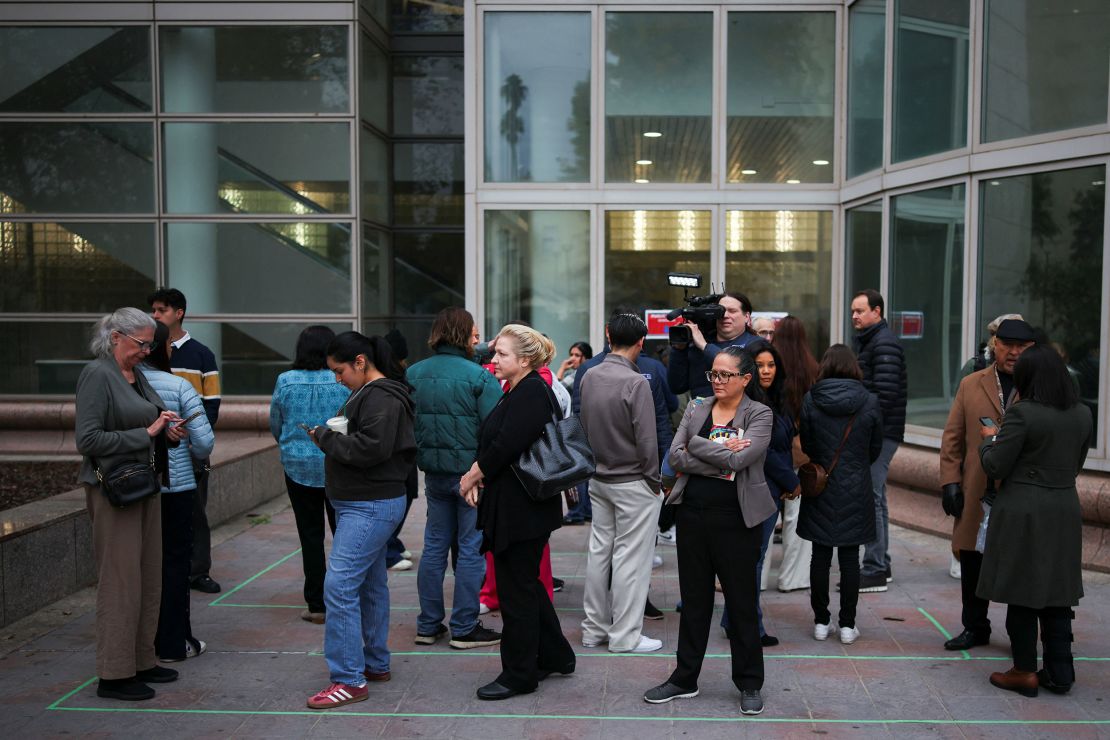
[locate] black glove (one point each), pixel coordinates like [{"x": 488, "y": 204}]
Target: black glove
[{"x": 952, "y": 499}]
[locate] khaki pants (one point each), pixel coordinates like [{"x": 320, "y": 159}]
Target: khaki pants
[{"x": 128, "y": 547}]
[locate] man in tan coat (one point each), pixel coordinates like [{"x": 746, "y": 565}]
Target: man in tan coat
[{"x": 986, "y": 393}]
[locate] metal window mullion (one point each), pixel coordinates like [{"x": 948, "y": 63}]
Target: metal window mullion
[
  {"x": 888, "y": 84},
  {"x": 973, "y": 214},
  {"x": 1102, "y": 449},
  {"x": 354, "y": 48}
]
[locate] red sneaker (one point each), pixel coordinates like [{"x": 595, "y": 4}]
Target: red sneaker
[{"x": 337, "y": 695}]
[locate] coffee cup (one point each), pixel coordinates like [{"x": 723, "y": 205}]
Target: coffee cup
[{"x": 337, "y": 424}]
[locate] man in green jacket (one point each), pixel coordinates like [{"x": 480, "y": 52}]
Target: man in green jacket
[{"x": 453, "y": 397}]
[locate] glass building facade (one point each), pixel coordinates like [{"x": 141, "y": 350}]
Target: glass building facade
[{"x": 363, "y": 164}]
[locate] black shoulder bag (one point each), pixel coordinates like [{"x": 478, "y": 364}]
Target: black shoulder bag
[
  {"x": 560, "y": 459},
  {"x": 128, "y": 482}
]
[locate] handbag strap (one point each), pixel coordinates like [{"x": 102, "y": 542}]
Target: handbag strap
[{"x": 843, "y": 441}]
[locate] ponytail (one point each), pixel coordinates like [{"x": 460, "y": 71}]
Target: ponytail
[{"x": 346, "y": 347}]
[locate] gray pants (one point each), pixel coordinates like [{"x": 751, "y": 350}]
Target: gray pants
[
  {"x": 876, "y": 558},
  {"x": 202, "y": 534}
]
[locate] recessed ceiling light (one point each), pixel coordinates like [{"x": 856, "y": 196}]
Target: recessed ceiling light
[
  {"x": 1098, "y": 182},
  {"x": 793, "y": 182},
  {"x": 643, "y": 161},
  {"x": 820, "y": 162},
  {"x": 652, "y": 134},
  {"x": 642, "y": 181},
  {"x": 995, "y": 182},
  {"x": 747, "y": 172}
]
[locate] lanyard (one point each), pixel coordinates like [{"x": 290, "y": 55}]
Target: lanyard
[
  {"x": 343, "y": 409},
  {"x": 998, "y": 384}
]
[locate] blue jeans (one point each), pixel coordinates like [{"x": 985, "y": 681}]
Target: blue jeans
[
  {"x": 355, "y": 590},
  {"x": 449, "y": 517},
  {"x": 876, "y": 558},
  {"x": 583, "y": 510}
]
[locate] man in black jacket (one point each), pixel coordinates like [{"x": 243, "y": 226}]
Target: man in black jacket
[{"x": 884, "y": 374}]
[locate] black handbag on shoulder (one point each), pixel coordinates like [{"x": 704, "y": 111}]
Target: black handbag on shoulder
[
  {"x": 129, "y": 483},
  {"x": 560, "y": 459}
]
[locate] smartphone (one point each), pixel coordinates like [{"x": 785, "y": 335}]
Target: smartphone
[
  {"x": 183, "y": 422},
  {"x": 305, "y": 427},
  {"x": 987, "y": 421}
]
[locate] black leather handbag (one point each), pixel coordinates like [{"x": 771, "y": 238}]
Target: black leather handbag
[
  {"x": 560, "y": 459},
  {"x": 129, "y": 482}
]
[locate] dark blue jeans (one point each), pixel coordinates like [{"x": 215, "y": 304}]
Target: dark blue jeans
[{"x": 582, "y": 511}]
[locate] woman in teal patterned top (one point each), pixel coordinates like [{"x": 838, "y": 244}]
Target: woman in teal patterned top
[{"x": 309, "y": 395}]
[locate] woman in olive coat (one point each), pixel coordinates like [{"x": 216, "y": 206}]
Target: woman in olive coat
[{"x": 1032, "y": 560}]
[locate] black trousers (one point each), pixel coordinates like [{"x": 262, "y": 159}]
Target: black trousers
[
  {"x": 974, "y": 614},
  {"x": 531, "y": 638},
  {"x": 309, "y": 507},
  {"x": 202, "y": 534},
  {"x": 715, "y": 544},
  {"x": 174, "y": 629},
  {"x": 819, "y": 564},
  {"x": 1055, "y": 626}
]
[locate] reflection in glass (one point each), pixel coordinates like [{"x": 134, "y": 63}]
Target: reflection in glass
[
  {"x": 1041, "y": 243},
  {"x": 377, "y": 289},
  {"x": 76, "y": 168},
  {"x": 866, "y": 62},
  {"x": 373, "y": 94},
  {"x": 926, "y": 268},
  {"x": 429, "y": 272},
  {"x": 428, "y": 95},
  {"x": 1045, "y": 66},
  {"x": 74, "y": 267},
  {"x": 862, "y": 253},
  {"x": 782, "y": 260},
  {"x": 254, "y": 69},
  {"x": 930, "y": 77},
  {"x": 43, "y": 357},
  {"x": 781, "y": 95},
  {"x": 287, "y": 168},
  {"x": 414, "y": 329},
  {"x": 421, "y": 16},
  {"x": 259, "y": 268},
  {"x": 658, "y": 97},
  {"x": 428, "y": 184},
  {"x": 537, "y": 97},
  {"x": 75, "y": 70},
  {"x": 374, "y": 172},
  {"x": 641, "y": 247},
  {"x": 538, "y": 271}
]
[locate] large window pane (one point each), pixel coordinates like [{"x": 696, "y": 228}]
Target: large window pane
[
  {"x": 421, "y": 16},
  {"x": 428, "y": 184},
  {"x": 538, "y": 271},
  {"x": 74, "y": 267},
  {"x": 930, "y": 77},
  {"x": 862, "y": 253},
  {"x": 374, "y": 171},
  {"x": 428, "y": 95},
  {"x": 76, "y": 168},
  {"x": 429, "y": 272},
  {"x": 658, "y": 97},
  {"x": 259, "y": 268},
  {"x": 1041, "y": 245},
  {"x": 1045, "y": 66},
  {"x": 414, "y": 329},
  {"x": 288, "y": 168},
  {"x": 373, "y": 94},
  {"x": 782, "y": 261},
  {"x": 44, "y": 357},
  {"x": 781, "y": 95},
  {"x": 866, "y": 62},
  {"x": 254, "y": 69},
  {"x": 925, "y": 305},
  {"x": 75, "y": 70},
  {"x": 537, "y": 97}
]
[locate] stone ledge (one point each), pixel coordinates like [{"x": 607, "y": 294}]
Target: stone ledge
[{"x": 60, "y": 415}]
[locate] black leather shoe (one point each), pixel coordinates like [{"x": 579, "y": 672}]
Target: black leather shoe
[
  {"x": 564, "y": 671},
  {"x": 494, "y": 691},
  {"x": 1047, "y": 683},
  {"x": 157, "y": 674},
  {"x": 966, "y": 640},
  {"x": 205, "y": 584}
]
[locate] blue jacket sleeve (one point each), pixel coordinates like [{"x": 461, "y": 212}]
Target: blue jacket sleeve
[
  {"x": 778, "y": 467},
  {"x": 201, "y": 438},
  {"x": 663, "y": 430}
]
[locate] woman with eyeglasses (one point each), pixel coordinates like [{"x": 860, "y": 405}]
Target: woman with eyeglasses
[
  {"x": 120, "y": 420},
  {"x": 722, "y": 500}
]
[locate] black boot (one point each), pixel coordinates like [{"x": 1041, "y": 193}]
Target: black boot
[{"x": 1058, "y": 673}]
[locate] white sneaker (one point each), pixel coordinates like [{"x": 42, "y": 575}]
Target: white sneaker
[
  {"x": 647, "y": 645},
  {"x": 670, "y": 537},
  {"x": 656, "y": 562},
  {"x": 406, "y": 554},
  {"x": 820, "y": 632},
  {"x": 594, "y": 641},
  {"x": 954, "y": 568},
  {"x": 848, "y": 635},
  {"x": 482, "y": 608},
  {"x": 403, "y": 564}
]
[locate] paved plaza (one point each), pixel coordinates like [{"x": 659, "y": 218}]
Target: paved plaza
[{"x": 263, "y": 662}]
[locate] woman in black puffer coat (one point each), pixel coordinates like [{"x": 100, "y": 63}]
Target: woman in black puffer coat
[{"x": 843, "y": 516}]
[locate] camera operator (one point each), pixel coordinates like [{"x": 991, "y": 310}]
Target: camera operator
[{"x": 690, "y": 360}]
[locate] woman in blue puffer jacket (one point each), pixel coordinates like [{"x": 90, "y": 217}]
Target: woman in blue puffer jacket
[{"x": 174, "y": 640}]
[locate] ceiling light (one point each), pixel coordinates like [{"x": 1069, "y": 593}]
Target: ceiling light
[
  {"x": 642, "y": 181},
  {"x": 652, "y": 134},
  {"x": 1098, "y": 182},
  {"x": 643, "y": 161},
  {"x": 793, "y": 182},
  {"x": 747, "y": 172},
  {"x": 995, "y": 182},
  {"x": 820, "y": 162}
]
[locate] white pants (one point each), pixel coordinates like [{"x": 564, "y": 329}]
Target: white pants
[
  {"x": 622, "y": 541},
  {"x": 796, "y": 552}
]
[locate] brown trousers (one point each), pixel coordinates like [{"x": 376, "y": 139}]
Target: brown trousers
[{"x": 128, "y": 547}]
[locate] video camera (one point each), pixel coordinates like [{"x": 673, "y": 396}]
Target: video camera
[{"x": 703, "y": 310}]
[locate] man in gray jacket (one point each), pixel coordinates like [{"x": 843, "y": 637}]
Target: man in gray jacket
[{"x": 618, "y": 414}]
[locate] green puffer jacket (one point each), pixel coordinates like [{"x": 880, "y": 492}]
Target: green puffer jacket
[{"x": 453, "y": 396}]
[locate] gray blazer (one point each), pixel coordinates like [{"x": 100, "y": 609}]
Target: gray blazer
[
  {"x": 694, "y": 455},
  {"x": 112, "y": 418}
]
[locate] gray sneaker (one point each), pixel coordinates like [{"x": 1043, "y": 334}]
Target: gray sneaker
[
  {"x": 478, "y": 637},
  {"x": 665, "y": 692},
  {"x": 751, "y": 702}
]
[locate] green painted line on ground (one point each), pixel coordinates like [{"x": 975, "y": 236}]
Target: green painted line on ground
[
  {"x": 946, "y": 633},
  {"x": 56, "y": 704},
  {"x": 262, "y": 572}
]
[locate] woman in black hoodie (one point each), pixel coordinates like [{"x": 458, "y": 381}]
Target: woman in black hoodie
[
  {"x": 365, "y": 468},
  {"x": 839, "y": 413}
]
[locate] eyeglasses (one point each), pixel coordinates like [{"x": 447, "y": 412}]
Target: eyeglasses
[
  {"x": 714, "y": 376},
  {"x": 143, "y": 346}
]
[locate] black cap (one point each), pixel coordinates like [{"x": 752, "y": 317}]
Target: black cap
[{"x": 1015, "y": 330}]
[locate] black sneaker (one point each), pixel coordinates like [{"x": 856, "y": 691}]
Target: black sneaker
[
  {"x": 872, "y": 584},
  {"x": 433, "y": 638},
  {"x": 889, "y": 575},
  {"x": 751, "y": 702},
  {"x": 479, "y": 637},
  {"x": 157, "y": 674},
  {"x": 124, "y": 689},
  {"x": 651, "y": 611},
  {"x": 557, "y": 584},
  {"x": 665, "y": 692},
  {"x": 205, "y": 584}
]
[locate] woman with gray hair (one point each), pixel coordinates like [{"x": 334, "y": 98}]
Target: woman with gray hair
[{"x": 122, "y": 420}]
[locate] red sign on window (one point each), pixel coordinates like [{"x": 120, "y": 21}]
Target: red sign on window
[
  {"x": 657, "y": 323},
  {"x": 910, "y": 324}
]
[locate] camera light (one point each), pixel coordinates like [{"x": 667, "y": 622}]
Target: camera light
[{"x": 684, "y": 279}]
